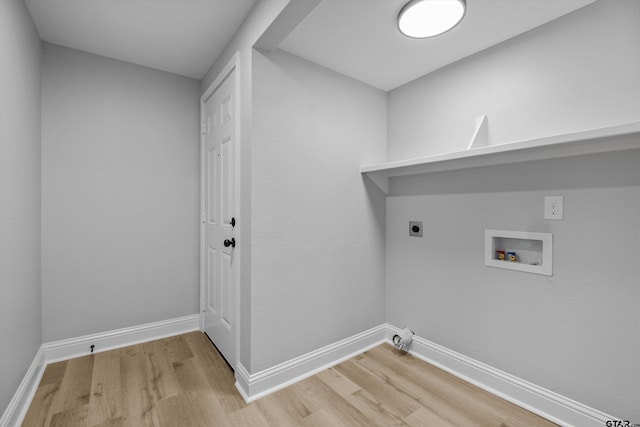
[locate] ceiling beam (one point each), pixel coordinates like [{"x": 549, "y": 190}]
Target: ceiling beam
[{"x": 287, "y": 20}]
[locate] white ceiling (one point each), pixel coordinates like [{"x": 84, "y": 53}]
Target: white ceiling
[
  {"x": 179, "y": 36},
  {"x": 359, "y": 38}
]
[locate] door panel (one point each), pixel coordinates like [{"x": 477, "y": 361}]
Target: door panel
[
  {"x": 211, "y": 298},
  {"x": 227, "y": 181},
  {"x": 227, "y": 285},
  {"x": 219, "y": 204},
  {"x": 212, "y": 158}
]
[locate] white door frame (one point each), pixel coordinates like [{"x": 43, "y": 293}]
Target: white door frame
[{"x": 233, "y": 63}]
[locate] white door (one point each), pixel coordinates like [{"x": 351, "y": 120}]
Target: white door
[{"x": 219, "y": 259}]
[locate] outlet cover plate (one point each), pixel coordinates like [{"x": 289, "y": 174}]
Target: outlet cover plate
[{"x": 553, "y": 207}]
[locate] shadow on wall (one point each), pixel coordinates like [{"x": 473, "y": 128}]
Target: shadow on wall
[
  {"x": 377, "y": 201},
  {"x": 617, "y": 169}
]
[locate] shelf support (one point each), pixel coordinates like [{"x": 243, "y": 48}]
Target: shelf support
[
  {"x": 480, "y": 137},
  {"x": 381, "y": 180}
]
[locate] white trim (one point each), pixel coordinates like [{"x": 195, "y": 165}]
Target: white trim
[
  {"x": 547, "y": 404},
  {"x": 544, "y": 263},
  {"x": 260, "y": 384},
  {"x": 243, "y": 378},
  {"x": 19, "y": 404},
  {"x": 103, "y": 341},
  {"x": 80, "y": 346}
]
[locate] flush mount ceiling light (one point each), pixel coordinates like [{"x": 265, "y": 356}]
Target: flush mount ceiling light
[{"x": 421, "y": 19}]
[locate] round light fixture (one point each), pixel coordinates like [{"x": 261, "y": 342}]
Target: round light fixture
[{"x": 421, "y": 19}]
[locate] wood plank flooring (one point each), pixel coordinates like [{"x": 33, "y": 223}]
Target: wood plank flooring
[{"x": 183, "y": 381}]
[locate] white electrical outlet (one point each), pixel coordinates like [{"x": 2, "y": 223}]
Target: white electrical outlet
[{"x": 553, "y": 207}]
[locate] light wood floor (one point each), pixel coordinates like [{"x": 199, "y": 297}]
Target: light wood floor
[{"x": 183, "y": 381}]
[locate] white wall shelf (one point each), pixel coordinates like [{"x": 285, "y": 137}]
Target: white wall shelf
[
  {"x": 533, "y": 252},
  {"x": 590, "y": 141}
]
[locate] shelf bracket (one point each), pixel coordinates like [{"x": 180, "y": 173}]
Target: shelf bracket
[
  {"x": 381, "y": 180},
  {"x": 481, "y": 135}
]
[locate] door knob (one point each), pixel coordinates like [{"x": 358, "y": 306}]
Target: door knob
[{"x": 231, "y": 242}]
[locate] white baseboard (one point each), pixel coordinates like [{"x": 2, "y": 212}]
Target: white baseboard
[
  {"x": 545, "y": 403},
  {"x": 103, "y": 341},
  {"x": 80, "y": 346},
  {"x": 531, "y": 397},
  {"x": 21, "y": 400},
  {"x": 255, "y": 386}
]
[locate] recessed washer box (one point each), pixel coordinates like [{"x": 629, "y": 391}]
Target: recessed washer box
[{"x": 533, "y": 252}]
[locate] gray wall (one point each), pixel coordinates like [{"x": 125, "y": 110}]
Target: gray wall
[
  {"x": 575, "y": 332},
  {"x": 317, "y": 226},
  {"x": 120, "y": 194},
  {"x": 576, "y": 73},
  {"x": 20, "y": 314}
]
